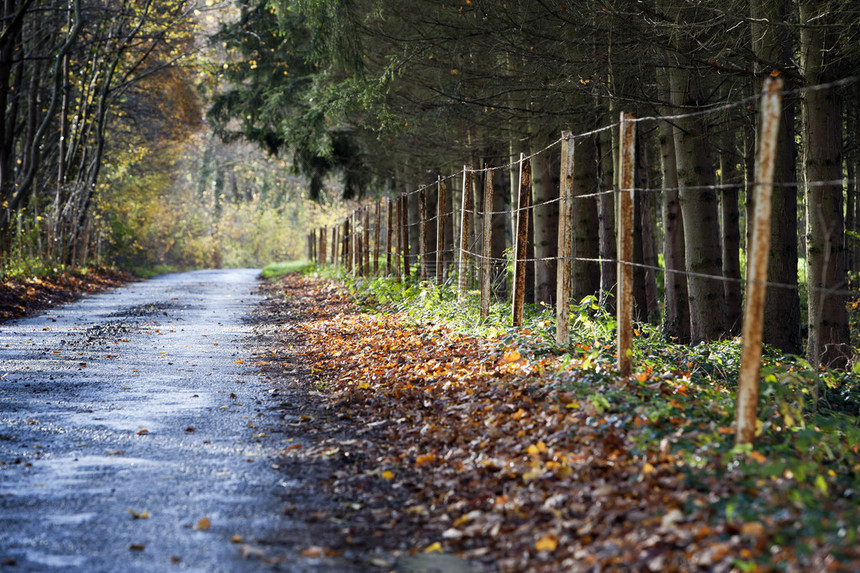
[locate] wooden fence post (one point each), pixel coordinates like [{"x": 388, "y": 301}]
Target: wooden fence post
[
  {"x": 398, "y": 259},
  {"x": 366, "y": 249},
  {"x": 524, "y": 195},
  {"x": 748, "y": 376},
  {"x": 565, "y": 238},
  {"x": 377, "y": 233},
  {"x": 624, "y": 308},
  {"x": 334, "y": 245},
  {"x": 441, "y": 199},
  {"x": 322, "y": 253},
  {"x": 345, "y": 251},
  {"x": 465, "y": 224},
  {"x": 486, "y": 262},
  {"x": 422, "y": 235},
  {"x": 404, "y": 233},
  {"x": 389, "y": 232}
]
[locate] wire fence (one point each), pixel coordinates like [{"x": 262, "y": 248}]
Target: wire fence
[{"x": 427, "y": 234}]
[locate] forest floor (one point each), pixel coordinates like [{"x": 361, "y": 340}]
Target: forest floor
[
  {"x": 23, "y": 296},
  {"x": 442, "y": 444}
]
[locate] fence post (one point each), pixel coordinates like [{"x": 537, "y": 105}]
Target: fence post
[
  {"x": 465, "y": 223},
  {"x": 398, "y": 259},
  {"x": 486, "y": 263},
  {"x": 389, "y": 232},
  {"x": 345, "y": 252},
  {"x": 441, "y": 199},
  {"x": 404, "y": 233},
  {"x": 334, "y": 260},
  {"x": 624, "y": 308},
  {"x": 522, "y": 228},
  {"x": 565, "y": 238},
  {"x": 422, "y": 235},
  {"x": 748, "y": 375},
  {"x": 366, "y": 249},
  {"x": 377, "y": 233},
  {"x": 322, "y": 253}
]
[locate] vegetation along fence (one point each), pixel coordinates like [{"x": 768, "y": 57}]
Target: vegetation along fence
[{"x": 595, "y": 235}]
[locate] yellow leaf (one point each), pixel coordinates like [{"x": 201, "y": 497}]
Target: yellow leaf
[
  {"x": 136, "y": 515},
  {"x": 142, "y": 432},
  {"x": 434, "y": 547},
  {"x": 387, "y": 475},
  {"x": 512, "y": 356},
  {"x": 203, "y": 525},
  {"x": 647, "y": 468},
  {"x": 240, "y": 362},
  {"x": 425, "y": 459},
  {"x": 548, "y": 542},
  {"x": 236, "y": 539}
]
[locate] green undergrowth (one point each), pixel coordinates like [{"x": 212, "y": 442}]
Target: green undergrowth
[
  {"x": 801, "y": 479},
  {"x": 274, "y": 270}
]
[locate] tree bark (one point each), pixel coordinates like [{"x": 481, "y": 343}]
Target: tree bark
[
  {"x": 822, "y": 163},
  {"x": 544, "y": 189},
  {"x": 699, "y": 208},
  {"x": 585, "y": 275},
  {"x": 772, "y": 47}
]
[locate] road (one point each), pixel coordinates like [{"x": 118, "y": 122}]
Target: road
[{"x": 136, "y": 435}]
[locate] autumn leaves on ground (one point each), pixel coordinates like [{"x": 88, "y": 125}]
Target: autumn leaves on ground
[{"x": 532, "y": 461}]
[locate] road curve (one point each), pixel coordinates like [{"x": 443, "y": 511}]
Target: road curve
[{"x": 141, "y": 402}]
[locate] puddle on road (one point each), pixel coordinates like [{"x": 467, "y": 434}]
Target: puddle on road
[
  {"x": 78, "y": 474},
  {"x": 53, "y": 560},
  {"x": 69, "y": 518}
]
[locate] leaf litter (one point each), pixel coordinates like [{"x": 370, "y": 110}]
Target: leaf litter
[{"x": 456, "y": 444}]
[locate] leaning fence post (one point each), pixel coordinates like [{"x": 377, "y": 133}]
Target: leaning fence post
[
  {"x": 441, "y": 199},
  {"x": 748, "y": 375},
  {"x": 422, "y": 234},
  {"x": 486, "y": 262},
  {"x": 565, "y": 238},
  {"x": 521, "y": 239},
  {"x": 624, "y": 308},
  {"x": 465, "y": 222}
]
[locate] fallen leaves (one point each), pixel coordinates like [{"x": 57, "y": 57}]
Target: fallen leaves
[
  {"x": 203, "y": 525},
  {"x": 491, "y": 460},
  {"x": 138, "y": 515}
]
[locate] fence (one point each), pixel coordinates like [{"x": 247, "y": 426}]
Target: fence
[{"x": 352, "y": 247}]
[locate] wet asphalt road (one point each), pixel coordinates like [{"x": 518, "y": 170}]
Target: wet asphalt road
[{"x": 141, "y": 399}]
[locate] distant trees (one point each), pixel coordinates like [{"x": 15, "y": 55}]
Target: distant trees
[{"x": 73, "y": 73}]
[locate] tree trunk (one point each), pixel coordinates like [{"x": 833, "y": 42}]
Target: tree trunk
[
  {"x": 731, "y": 178},
  {"x": 822, "y": 162},
  {"x": 545, "y": 223},
  {"x": 606, "y": 222},
  {"x": 585, "y": 275},
  {"x": 500, "y": 231},
  {"x": 781, "y": 327},
  {"x": 699, "y": 209},
  {"x": 676, "y": 320}
]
